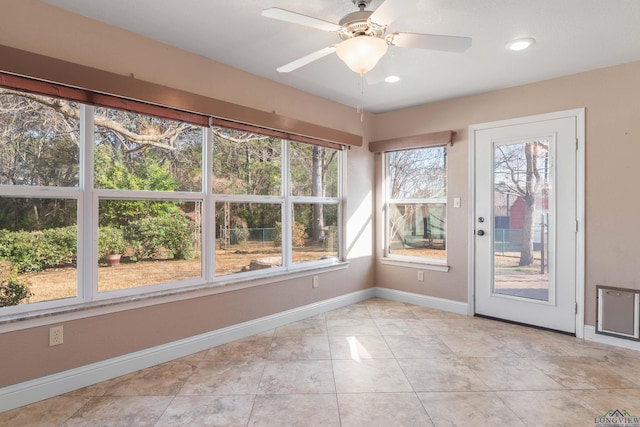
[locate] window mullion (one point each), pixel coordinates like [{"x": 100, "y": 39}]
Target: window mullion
[
  {"x": 287, "y": 208},
  {"x": 208, "y": 255},
  {"x": 342, "y": 191},
  {"x": 87, "y": 216},
  {"x": 146, "y": 195},
  {"x": 439, "y": 200},
  {"x": 386, "y": 242},
  {"x": 246, "y": 198},
  {"x": 319, "y": 200},
  {"x": 39, "y": 192}
]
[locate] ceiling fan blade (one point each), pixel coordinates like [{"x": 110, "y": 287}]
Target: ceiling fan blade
[
  {"x": 389, "y": 10},
  {"x": 300, "y": 62},
  {"x": 431, "y": 41},
  {"x": 298, "y": 18}
]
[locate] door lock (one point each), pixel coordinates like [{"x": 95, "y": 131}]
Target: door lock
[{"x": 480, "y": 232}]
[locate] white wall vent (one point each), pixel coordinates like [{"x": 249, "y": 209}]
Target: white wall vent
[{"x": 618, "y": 312}]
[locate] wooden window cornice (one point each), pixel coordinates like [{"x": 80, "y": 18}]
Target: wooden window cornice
[{"x": 434, "y": 139}]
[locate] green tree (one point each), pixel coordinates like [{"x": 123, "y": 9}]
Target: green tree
[{"x": 111, "y": 172}]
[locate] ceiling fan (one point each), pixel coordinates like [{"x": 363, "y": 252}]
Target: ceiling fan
[{"x": 363, "y": 35}]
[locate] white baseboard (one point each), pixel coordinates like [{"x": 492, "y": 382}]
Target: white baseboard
[
  {"x": 590, "y": 335},
  {"x": 422, "y": 300},
  {"x": 27, "y": 392}
]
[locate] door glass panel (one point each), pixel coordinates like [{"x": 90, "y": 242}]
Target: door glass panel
[{"x": 522, "y": 190}]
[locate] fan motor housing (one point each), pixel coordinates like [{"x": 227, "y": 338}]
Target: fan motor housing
[{"x": 357, "y": 24}]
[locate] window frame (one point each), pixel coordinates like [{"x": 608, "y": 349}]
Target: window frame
[
  {"x": 388, "y": 257},
  {"x": 87, "y": 200},
  {"x": 286, "y": 200}
]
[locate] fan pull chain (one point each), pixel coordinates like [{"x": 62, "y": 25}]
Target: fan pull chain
[{"x": 359, "y": 108}]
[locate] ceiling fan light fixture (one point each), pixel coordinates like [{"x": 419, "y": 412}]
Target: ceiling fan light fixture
[
  {"x": 362, "y": 53},
  {"x": 520, "y": 44}
]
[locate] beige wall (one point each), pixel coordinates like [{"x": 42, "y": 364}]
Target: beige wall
[
  {"x": 36, "y": 27},
  {"x": 611, "y": 97},
  {"x": 40, "y": 28},
  {"x": 613, "y": 128}
]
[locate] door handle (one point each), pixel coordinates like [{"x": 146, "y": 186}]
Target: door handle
[{"x": 480, "y": 232}]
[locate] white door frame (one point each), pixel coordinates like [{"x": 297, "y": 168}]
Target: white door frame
[{"x": 579, "y": 114}]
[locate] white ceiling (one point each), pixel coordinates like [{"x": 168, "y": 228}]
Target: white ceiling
[{"x": 572, "y": 36}]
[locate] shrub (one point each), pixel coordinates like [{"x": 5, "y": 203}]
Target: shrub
[
  {"x": 298, "y": 235},
  {"x": 239, "y": 234},
  {"x": 58, "y": 246},
  {"x": 170, "y": 234},
  {"x": 12, "y": 290},
  {"x": 5, "y": 244},
  {"x": 34, "y": 250},
  {"x": 111, "y": 241}
]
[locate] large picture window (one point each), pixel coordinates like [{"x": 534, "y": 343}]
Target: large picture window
[
  {"x": 416, "y": 209},
  {"x": 98, "y": 203},
  {"x": 261, "y": 183}
]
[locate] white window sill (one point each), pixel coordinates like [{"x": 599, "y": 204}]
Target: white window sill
[{"x": 418, "y": 264}]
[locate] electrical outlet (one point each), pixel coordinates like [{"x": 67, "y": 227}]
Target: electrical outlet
[
  {"x": 314, "y": 281},
  {"x": 55, "y": 335},
  {"x": 420, "y": 276}
]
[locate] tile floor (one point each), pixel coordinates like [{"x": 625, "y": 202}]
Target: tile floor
[{"x": 375, "y": 363}]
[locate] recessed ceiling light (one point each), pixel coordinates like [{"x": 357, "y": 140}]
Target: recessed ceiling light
[
  {"x": 520, "y": 44},
  {"x": 392, "y": 79}
]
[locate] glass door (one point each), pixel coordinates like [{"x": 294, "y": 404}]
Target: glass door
[{"x": 525, "y": 222}]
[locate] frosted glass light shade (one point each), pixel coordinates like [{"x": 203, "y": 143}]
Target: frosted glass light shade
[{"x": 361, "y": 53}]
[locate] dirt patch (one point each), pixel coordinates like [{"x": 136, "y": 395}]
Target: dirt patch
[
  {"x": 431, "y": 253},
  {"x": 58, "y": 283}
]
